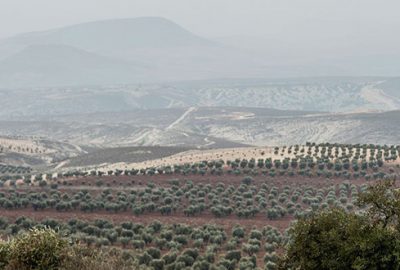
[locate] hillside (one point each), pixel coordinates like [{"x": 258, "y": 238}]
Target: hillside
[
  {"x": 35, "y": 152},
  {"x": 50, "y": 65},
  {"x": 118, "y": 34},
  {"x": 209, "y": 127},
  {"x": 118, "y": 49},
  {"x": 154, "y": 48},
  {"x": 337, "y": 94}
]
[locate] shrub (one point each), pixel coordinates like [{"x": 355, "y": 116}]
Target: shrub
[
  {"x": 271, "y": 257},
  {"x": 233, "y": 255},
  {"x": 154, "y": 252},
  {"x": 270, "y": 266},
  {"x": 238, "y": 232},
  {"x": 157, "y": 264},
  {"x": 79, "y": 257},
  {"x": 200, "y": 265},
  {"x": 186, "y": 259},
  {"x": 247, "y": 263},
  {"x": 332, "y": 240},
  {"x": 250, "y": 249},
  {"x": 247, "y": 180},
  {"x": 138, "y": 244},
  {"x": 37, "y": 249},
  {"x": 4, "y": 253},
  {"x": 269, "y": 247},
  {"x": 227, "y": 264},
  {"x": 255, "y": 234},
  {"x": 145, "y": 258},
  {"x": 169, "y": 257}
]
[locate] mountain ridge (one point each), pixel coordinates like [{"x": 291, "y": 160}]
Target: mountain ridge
[
  {"x": 52, "y": 64},
  {"x": 172, "y": 53},
  {"x": 111, "y": 30}
]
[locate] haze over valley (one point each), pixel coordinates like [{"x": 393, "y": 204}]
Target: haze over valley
[{"x": 150, "y": 82}]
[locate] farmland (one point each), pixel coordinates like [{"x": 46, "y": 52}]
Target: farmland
[{"x": 197, "y": 208}]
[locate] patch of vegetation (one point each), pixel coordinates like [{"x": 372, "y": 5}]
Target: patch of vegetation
[{"x": 337, "y": 239}]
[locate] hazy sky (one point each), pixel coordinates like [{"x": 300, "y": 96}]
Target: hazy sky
[{"x": 213, "y": 18}]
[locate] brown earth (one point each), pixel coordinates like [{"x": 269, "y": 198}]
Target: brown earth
[{"x": 258, "y": 221}]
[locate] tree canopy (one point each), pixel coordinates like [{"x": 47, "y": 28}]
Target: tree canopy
[{"x": 337, "y": 239}]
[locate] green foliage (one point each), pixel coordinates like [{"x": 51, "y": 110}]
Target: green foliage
[
  {"x": 233, "y": 255},
  {"x": 340, "y": 240},
  {"x": 4, "y": 253},
  {"x": 38, "y": 249},
  {"x": 383, "y": 200}
]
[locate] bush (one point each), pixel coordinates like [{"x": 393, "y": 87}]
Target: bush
[
  {"x": 270, "y": 266},
  {"x": 233, "y": 255},
  {"x": 79, "y": 257},
  {"x": 42, "y": 183},
  {"x": 4, "y": 253},
  {"x": 247, "y": 180},
  {"x": 238, "y": 232},
  {"x": 37, "y": 249},
  {"x": 341, "y": 240},
  {"x": 247, "y": 263},
  {"x": 255, "y": 234},
  {"x": 186, "y": 259},
  {"x": 269, "y": 247},
  {"x": 154, "y": 252},
  {"x": 169, "y": 257},
  {"x": 270, "y": 257},
  {"x": 227, "y": 264},
  {"x": 157, "y": 264}
]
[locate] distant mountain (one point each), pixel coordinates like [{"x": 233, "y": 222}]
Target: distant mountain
[
  {"x": 134, "y": 50},
  {"x": 38, "y": 65},
  {"x": 120, "y": 34}
]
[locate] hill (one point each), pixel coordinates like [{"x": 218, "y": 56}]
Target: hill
[
  {"x": 38, "y": 65},
  {"x": 158, "y": 50},
  {"x": 118, "y": 34},
  {"x": 330, "y": 94},
  {"x": 116, "y": 47},
  {"x": 210, "y": 127}
]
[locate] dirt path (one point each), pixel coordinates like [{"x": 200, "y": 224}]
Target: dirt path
[{"x": 181, "y": 118}]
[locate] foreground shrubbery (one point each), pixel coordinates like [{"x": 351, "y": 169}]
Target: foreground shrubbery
[
  {"x": 44, "y": 249},
  {"x": 155, "y": 246},
  {"x": 38, "y": 249},
  {"x": 340, "y": 240}
]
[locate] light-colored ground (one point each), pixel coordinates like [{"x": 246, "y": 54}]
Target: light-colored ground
[
  {"x": 22, "y": 146},
  {"x": 181, "y": 118},
  {"x": 226, "y": 154},
  {"x": 378, "y": 98},
  {"x": 194, "y": 156}
]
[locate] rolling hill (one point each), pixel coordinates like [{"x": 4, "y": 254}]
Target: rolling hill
[
  {"x": 339, "y": 94},
  {"x": 211, "y": 127}
]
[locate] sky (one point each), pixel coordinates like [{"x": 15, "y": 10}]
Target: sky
[{"x": 213, "y": 18}]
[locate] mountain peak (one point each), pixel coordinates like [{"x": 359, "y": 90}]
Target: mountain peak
[{"x": 121, "y": 34}]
